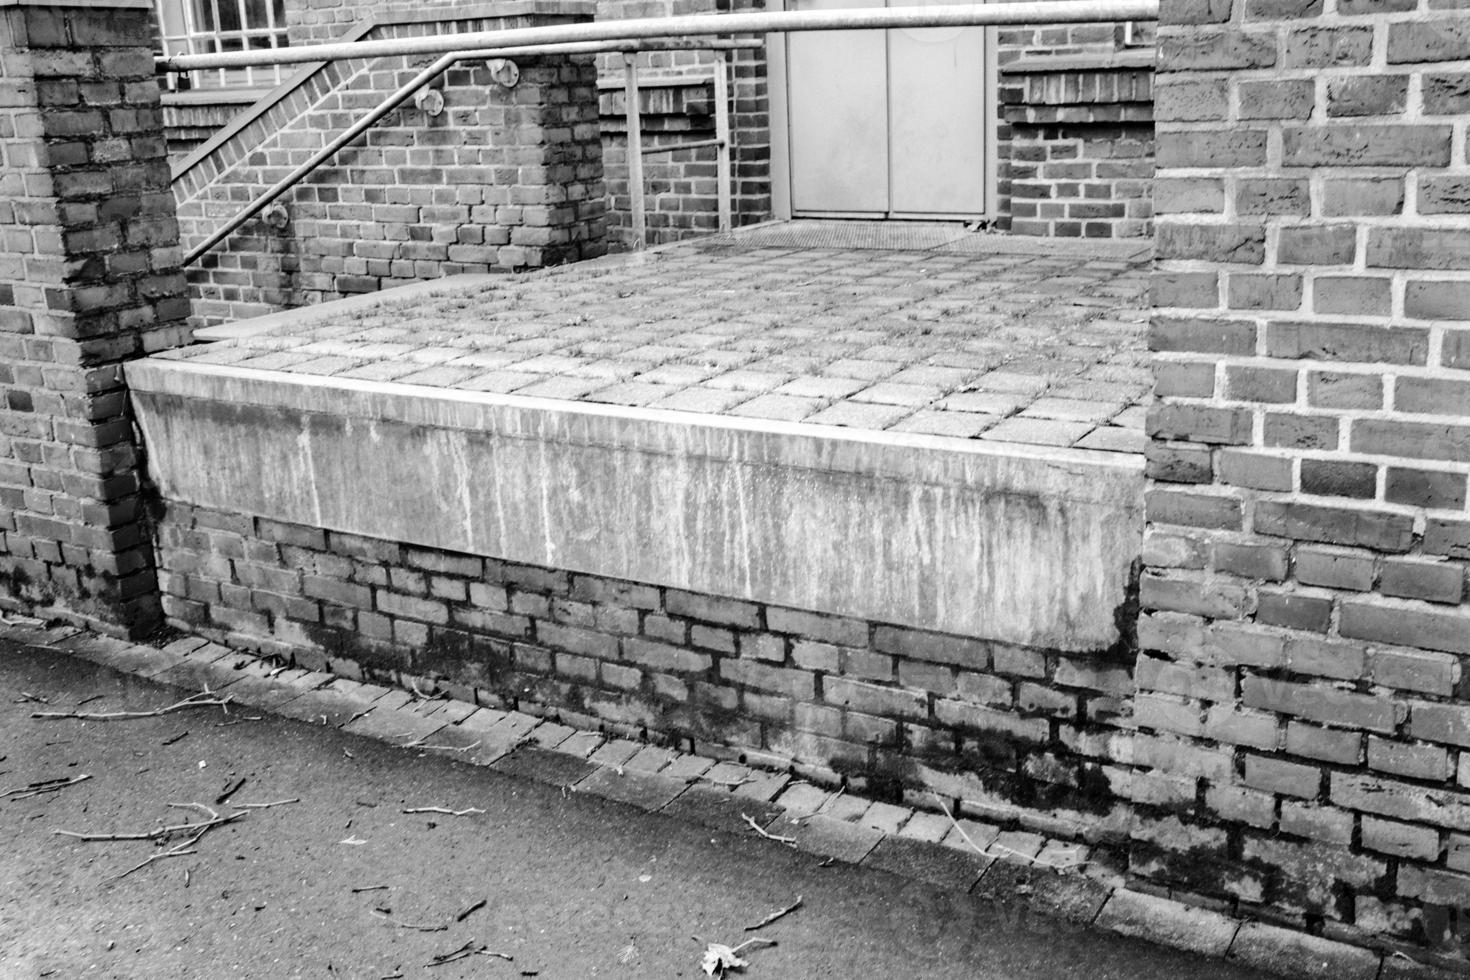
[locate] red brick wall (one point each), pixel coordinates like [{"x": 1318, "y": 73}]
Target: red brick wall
[
  {"x": 88, "y": 280},
  {"x": 1076, "y": 130},
  {"x": 1008, "y": 732},
  {"x": 680, "y": 187},
  {"x": 1305, "y": 622}
]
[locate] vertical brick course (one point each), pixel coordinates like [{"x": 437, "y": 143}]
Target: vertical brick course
[
  {"x": 89, "y": 279},
  {"x": 1311, "y": 381}
]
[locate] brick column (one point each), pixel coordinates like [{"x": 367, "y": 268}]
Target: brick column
[
  {"x": 1305, "y": 619},
  {"x": 89, "y": 279}
]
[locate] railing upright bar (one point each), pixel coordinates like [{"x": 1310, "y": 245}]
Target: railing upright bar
[
  {"x": 722, "y": 136},
  {"x": 635, "y": 150}
]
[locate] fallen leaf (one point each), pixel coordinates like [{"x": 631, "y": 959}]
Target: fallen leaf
[{"x": 718, "y": 958}]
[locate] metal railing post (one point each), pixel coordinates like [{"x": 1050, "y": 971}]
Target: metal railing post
[
  {"x": 635, "y": 150},
  {"x": 722, "y": 133}
]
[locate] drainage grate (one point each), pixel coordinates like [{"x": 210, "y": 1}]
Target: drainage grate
[
  {"x": 1123, "y": 249},
  {"x": 916, "y": 236},
  {"x": 901, "y": 236}
]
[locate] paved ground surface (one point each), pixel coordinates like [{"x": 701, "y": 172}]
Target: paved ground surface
[
  {"x": 964, "y": 336},
  {"x": 572, "y": 885}
]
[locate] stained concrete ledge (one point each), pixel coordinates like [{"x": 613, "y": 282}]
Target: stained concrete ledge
[{"x": 1014, "y": 543}]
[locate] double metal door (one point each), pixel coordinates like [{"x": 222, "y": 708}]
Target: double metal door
[{"x": 887, "y": 123}]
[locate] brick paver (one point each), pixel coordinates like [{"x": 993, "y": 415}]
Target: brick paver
[{"x": 1042, "y": 349}]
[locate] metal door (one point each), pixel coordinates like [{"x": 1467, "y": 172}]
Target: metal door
[{"x": 887, "y": 123}]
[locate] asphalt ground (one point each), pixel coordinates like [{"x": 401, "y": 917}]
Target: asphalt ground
[{"x": 344, "y": 884}]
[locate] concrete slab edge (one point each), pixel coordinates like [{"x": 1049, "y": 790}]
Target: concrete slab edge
[{"x": 485, "y": 735}]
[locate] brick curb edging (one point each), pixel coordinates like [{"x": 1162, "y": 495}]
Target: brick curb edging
[{"x": 1009, "y": 867}]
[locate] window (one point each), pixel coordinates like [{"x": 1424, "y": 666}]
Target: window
[{"x": 214, "y": 26}]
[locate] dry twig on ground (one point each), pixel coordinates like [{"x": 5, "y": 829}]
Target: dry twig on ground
[
  {"x": 196, "y": 830},
  {"x": 44, "y": 786},
  {"x": 164, "y": 832},
  {"x": 445, "y": 810},
  {"x": 778, "y": 914},
  {"x": 470, "y": 948},
  {"x": 267, "y": 806},
  {"x": 416, "y": 926},
  {"x": 788, "y": 841},
  {"x": 200, "y": 700}
]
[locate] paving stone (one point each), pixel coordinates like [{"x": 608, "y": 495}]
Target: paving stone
[
  {"x": 833, "y": 838},
  {"x": 844, "y": 807},
  {"x": 1168, "y": 923},
  {"x": 482, "y": 720},
  {"x": 396, "y": 726},
  {"x": 207, "y": 666},
  {"x": 931, "y": 827},
  {"x": 891, "y": 393},
  {"x": 729, "y": 775},
  {"x": 616, "y": 752},
  {"x": 646, "y": 790},
  {"x": 967, "y": 834},
  {"x": 1037, "y": 432},
  {"x": 708, "y": 401},
  {"x": 859, "y": 415},
  {"x": 132, "y": 658},
  {"x": 802, "y": 799},
  {"x": 651, "y": 758},
  {"x": 990, "y": 403},
  {"x": 1064, "y": 855},
  {"x": 958, "y": 425},
  {"x": 270, "y": 688},
  {"x": 688, "y": 767},
  {"x": 550, "y": 735},
  {"x": 581, "y": 744},
  {"x": 721, "y": 810},
  {"x": 785, "y": 408},
  {"x": 35, "y": 633},
  {"x": 762, "y": 786},
  {"x": 1073, "y": 897},
  {"x": 544, "y": 766},
  {"x": 454, "y": 711},
  {"x": 1071, "y": 409},
  {"x": 1017, "y": 846},
  {"x": 885, "y": 817},
  {"x": 454, "y": 742},
  {"x": 323, "y": 706},
  {"x": 1113, "y": 439},
  {"x": 1296, "y": 954},
  {"x": 396, "y": 698},
  {"x": 934, "y": 863},
  {"x": 186, "y": 645}
]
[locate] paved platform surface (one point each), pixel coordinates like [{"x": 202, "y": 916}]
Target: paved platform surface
[
  {"x": 573, "y": 853},
  {"x": 969, "y": 336}
]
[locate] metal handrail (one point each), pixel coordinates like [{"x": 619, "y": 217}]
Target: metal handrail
[
  {"x": 404, "y": 92},
  {"x": 636, "y": 149},
  {"x": 697, "y": 25}
]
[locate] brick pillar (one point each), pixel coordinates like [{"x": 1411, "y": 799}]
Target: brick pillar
[
  {"x": 1305, "y": 619},
  {"x": 89, "y": 278}
]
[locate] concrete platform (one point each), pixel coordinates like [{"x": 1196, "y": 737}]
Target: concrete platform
[
  {"x": 926, "y": 438},
  {"x": 957, "y": 334}
]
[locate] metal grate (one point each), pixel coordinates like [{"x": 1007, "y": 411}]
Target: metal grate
[
  {"x": 880, "y": 235},
  {"x": 1122, "y": 249},
  {"x": 913, "y": 236}
]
